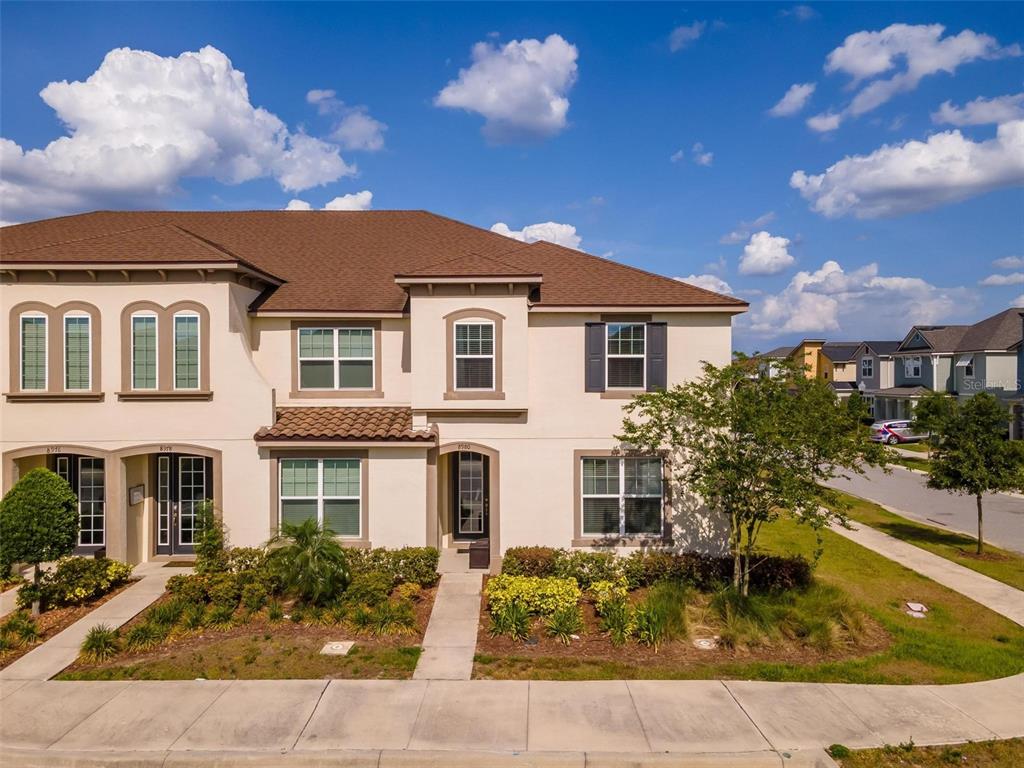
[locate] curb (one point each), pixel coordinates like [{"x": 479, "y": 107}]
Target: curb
[{"x": 45, "y": 758}]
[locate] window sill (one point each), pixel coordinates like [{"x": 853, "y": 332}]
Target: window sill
[
  {"x": 621, "y": 394},
  {"x": 469, "y": 394},
  {"x": 633, "y": 540},
  {"x": 52, "y": 397},
  {"x": 334, "y": 394},
  {"x": 165, "y": 395}
]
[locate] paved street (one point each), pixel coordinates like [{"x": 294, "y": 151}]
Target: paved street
[
  {"x": 905, "y": 493},
  {"x": 481, "y": 722}
]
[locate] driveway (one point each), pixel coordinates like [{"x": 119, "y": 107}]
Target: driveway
[{"x": 905, "y": 492}]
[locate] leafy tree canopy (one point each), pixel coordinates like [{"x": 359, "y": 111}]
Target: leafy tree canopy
[{"x": 38, "y": 519}]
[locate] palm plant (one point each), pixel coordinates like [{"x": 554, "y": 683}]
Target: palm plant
[{"x": 309, "y": 561}]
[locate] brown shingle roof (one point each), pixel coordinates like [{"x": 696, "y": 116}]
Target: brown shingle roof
[
  {"x": 470, "y": 265},
  {"x": 347, "y": 260},
  {"x": 1001, "y": 331},
  {"x": 344, "y": 424}
]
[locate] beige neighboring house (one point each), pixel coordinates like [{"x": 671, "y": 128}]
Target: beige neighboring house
[{"x": 402, "y": 377}]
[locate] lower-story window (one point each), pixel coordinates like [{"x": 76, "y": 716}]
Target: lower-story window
[
  {"x": 621, "y": 496},
  {"x": 325, "y": 490},
  {"x": 86, "y": 477}
]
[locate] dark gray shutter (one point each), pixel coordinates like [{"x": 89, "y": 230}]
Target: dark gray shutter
[
  {"x": 594, "y": 364},
  {"x": 657, "y": 352}
]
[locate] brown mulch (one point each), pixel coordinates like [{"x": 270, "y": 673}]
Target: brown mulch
[
  {"x": 56, "y": 620},
  {"x": 594, "y": 645}
]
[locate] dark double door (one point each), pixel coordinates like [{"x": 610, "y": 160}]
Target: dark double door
[
  {"x": 181, "y": 482},
  {"x": 470, "y": 484}
]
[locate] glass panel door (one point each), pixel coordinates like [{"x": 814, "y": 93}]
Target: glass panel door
[
  {"x": 191, "y": 493},
  {"x": 470, "y": 494}
]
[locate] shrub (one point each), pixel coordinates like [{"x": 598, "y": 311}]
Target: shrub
[
  {"x": 370, "y": 588},
  {"x": 224, "y": 589},
  {"x": 210, "y": 554},
  {"x": 192, "y": 616},
  {"x": 19, "y": 628},
  {"x": 76, "y": 580},
  {"x": 838, "y": 751},
  {"x": 531, "y": 561},
  {"x": 309, "y": 562},
  {"x": 100, "y": 644},
  {"x": 315, "y": 616},
  {"x": 144, "y": 636},
  {"x": 39, "y": 520},
  {"x": 416, "y": 565},
  {"x": 167, "y": 613},
  {"x": 564, "y": 623},
  {"x": 662, "y": 616},
  {"x": 393, "y": 617},
  {"x": 539, "y": 596},
  {"x": 275, "y": 611},
  {"x": 605, "y": 592},
  {"x": 361, "y": 618},
  {"x": 512, "y": 620},
  {"x": 245, "y": 559},
  {"x": 618, "y": 620},
  {"x": 254, "y": 595},
  {"x": 219, "y": 616},
  {"x": 192, "y": 589},
  {"x": 771, "y": 573},
  {"x": 588, "y": 567},
  {"x": 338, "y": 613},
  {"x": 768, "y": 573},
  {"x": 409, "y": 591}
]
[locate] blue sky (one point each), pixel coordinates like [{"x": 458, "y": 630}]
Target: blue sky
[{"x": 646, "y": 127}]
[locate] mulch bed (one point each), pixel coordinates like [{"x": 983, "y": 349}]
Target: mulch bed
[
  {"x": 594, "y": 645},
  {"x": 56, "y": 620}
]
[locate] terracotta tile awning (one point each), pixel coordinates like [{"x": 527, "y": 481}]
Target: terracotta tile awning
[{"x": 331, "y": 424}]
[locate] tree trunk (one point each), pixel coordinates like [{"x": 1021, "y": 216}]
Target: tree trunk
[
  {"x": 35, "y": 581},
  {"x": 981, "y": 541}
]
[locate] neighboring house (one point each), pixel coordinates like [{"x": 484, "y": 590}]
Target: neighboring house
[
  {"x": 875, "y": 369},
  {"x": 807, "y": 354},
  {"x": 838, "y": 366},
  {"x": 402, "y": 377},
  {"x": 768, "y": 362},
  {"x": 961, "y": 360}
]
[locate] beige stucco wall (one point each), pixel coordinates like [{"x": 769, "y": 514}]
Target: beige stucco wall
[{"x": 398, "y": 497}]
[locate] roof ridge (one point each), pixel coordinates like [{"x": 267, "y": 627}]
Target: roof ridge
[{"x": 464, "y": 257}]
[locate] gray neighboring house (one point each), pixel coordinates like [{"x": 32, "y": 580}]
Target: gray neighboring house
[
  {"x": 876, "y": 369},
  {"x": 767, "y": 362},
  {"x": 961, "y": 360}
]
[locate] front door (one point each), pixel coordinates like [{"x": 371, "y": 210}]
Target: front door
[
  {"x": 182, "y": 483},
  {"x": 87, "y": 477},
  {"x": 470, "y": 495}
]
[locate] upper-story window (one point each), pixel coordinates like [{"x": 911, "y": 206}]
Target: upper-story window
[
  {"x": 967, "y": 363},
  {"x": 336, "y": 358},
  {"x": 186, "y": 350},
  {"x": 474, "y": 355},
  {"x": 626, "y": 355},
  {"x": 867, "y": 367},
  {"x": 144, "y": 351},
  {"x": 912, "y": 367},
  {"x": 77, "y": 351},
  {"x": 33, "y": 351}
]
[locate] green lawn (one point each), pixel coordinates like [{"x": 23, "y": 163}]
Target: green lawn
[
  {"x": 912, "y": 462},
  {"x": 982, "y": 754},
  {"x": 999, "y": 564},
  {"x": 921, "y": 447}
]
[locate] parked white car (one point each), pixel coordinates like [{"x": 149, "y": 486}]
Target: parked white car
[{"x": 894, "y": 432}]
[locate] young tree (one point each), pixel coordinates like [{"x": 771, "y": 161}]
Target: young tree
[
  {"x": 754, "y": 448},
  {"x": 309, "y": 561},
  {"x": 930, "y": 415},
  {"x": 38, "y": 523},
  {"x": 974, "y": 457}
]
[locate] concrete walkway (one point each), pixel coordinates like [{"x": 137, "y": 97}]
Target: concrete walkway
[
  {"x": 450, "y": 640},
  {"x": 999, "y": 597},
  {"x": 59, "y": 651},
  {"x": 481, "y": 722}
]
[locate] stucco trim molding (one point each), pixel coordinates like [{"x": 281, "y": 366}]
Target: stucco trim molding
[
  {"x": 450, "y": 392},
  {"x": 55, "y": 382},
  {"x": 165, "y": 389}
]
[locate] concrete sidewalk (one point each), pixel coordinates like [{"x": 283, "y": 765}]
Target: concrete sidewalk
[
  {"x": 481, "y": 722},
  {"x": 449, "y": 643},
  {"x": 59, "y": 651},
  {"x": 1001, "y": 598}
]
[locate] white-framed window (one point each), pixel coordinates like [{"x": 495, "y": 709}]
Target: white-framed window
[
  {"x": 325, "y": 490},
  {"x": 621, "y": 496},
  {"x": 912, "y": 367},
  {"x": 474, "y": 354},
  {"x": 144, "y": 350},
  {"x": 33, "y": 357},
  {"x": 967, "y": 363},
  {"x": 336, "y": 358},
  {"x": 626, "y": 360},
  {"x": 867, "y": 367},
  {"x": 77, "y": 352},
  {"x": 186, "y": 350},
  {"x": 91, "y": 501}
]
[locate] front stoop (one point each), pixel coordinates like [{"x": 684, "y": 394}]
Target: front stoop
[{"x": 449, "y": 643}]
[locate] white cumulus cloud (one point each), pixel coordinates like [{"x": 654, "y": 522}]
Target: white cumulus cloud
[
  {"x": 911, "y": 53},
  {"x": 141, "y": 123},
  {"x": 551, "y": 231},
  {"x": 520, "y": 88},
  {"x": 1009, "y": 262},
  {"x": 982, "y": 111},
  {"x": 1012, "y": 278},
  {"x": 765, "y": 254},
  {"x": 355, "y": 129},
  {"x": 682, "y": 36},
  {"x": 710, "y": 282},
  {"x": 826, "y": 121},
  {"x": 701, "y": 156},
  {"x": 1018, "y": 302},
  {"x": 916, "y": 175},
  {"x": 794, "y": 100},
  {"x": 745, "y": 228},
  {"x": 356, "y": 201}
]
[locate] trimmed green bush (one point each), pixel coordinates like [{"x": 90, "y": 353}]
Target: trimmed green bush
[
  {"x": 100, "y": 644},
  {"x": 588, "y": 567},
  {"x": 539, "y": 596},
  {"x": 190, "y": 588},
  {"x": 210, "y": 554},
  {"x": 224, "y": 589},
  {"x": 605, "y": 592},
  {"x": 530, "y": 561},
  {"x": 768, "y": 573},
  {"x": 416, "y": 565},
  {"x": 254, "y": 596},
  {"x": 144, "y": 636},
  {"x": 76, "y": 580},
  {"x": 369, "y": 588},
  {"x": 393, "y": 617},
  {"x": 19, "y": 629},
  {"x": 167, "y": 613},
  {"x": 512, "y": 620}
]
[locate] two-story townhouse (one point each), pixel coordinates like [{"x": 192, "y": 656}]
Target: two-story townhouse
[
  {"x": 807, "y": 355},
  {"x": 404, "y": 378},
  {"x": 838, "y": 367},
  {"x": 875, "y": 368}
]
